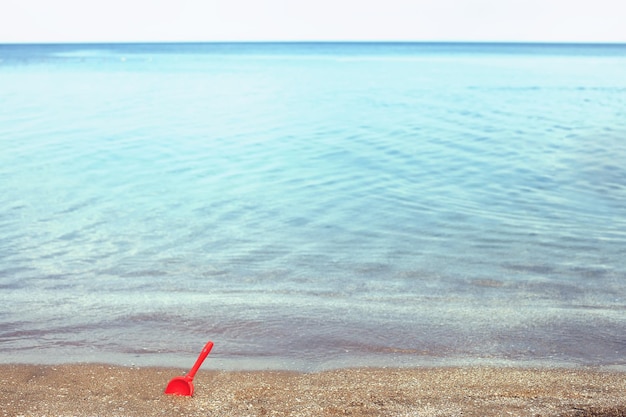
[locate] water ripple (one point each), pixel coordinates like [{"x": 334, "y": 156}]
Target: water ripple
[{"x": 309, "y": 204}]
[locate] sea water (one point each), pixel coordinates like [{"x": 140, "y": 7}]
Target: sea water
[{"x": 313, "y": 205}]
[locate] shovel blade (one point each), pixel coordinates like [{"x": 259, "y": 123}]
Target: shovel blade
[{"x": 180, "y": 386}]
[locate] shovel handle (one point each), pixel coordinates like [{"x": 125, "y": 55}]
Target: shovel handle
[{"x": 201, "y": 358}]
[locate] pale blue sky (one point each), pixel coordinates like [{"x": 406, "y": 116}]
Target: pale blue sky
[{"x": 350, "y": 20}]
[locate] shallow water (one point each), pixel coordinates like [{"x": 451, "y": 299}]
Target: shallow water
[{"x": 308, "y": 206}]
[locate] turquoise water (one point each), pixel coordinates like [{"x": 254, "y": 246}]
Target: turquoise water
[{"x": 308, "y": 206}]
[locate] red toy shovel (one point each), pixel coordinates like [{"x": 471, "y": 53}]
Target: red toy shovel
[{"x": 183, "y": 385}]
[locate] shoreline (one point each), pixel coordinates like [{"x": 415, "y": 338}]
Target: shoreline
[{"x": 113, "y": 390}]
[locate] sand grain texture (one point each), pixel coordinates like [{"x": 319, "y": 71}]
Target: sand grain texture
[{"x": 103, "y": 390}]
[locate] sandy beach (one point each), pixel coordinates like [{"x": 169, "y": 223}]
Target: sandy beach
[{"x": 105, "y": 390}]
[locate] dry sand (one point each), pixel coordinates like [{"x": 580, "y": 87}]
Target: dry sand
[{"x": 103, "y": 390}]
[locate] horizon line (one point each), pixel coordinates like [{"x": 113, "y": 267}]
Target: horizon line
[{"x": 443, "y": 42}]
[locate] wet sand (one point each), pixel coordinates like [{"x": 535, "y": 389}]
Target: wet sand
[{"x": 104, "y": 390}]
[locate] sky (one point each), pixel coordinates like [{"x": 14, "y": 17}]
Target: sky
[{"x": 36, "y": 21}]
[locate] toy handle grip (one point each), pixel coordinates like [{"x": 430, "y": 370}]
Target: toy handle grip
[{"x": 205, "y": 352}]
